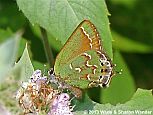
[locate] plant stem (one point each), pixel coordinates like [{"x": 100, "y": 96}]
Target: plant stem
[{"x": 48, "y": 51}]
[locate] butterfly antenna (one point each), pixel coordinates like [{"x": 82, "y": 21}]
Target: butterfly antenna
[{"x": 117, "y": 72}]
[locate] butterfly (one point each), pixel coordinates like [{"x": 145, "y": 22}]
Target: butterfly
[{"x": 82, "y": 62}]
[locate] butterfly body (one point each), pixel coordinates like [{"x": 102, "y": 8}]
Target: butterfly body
[{"x": 82, "y": 61}]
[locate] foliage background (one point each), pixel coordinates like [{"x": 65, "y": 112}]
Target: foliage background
[{"x": 132, "y": 33}]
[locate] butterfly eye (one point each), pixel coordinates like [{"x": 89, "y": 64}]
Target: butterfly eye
[{"x": 51, "y": 72}]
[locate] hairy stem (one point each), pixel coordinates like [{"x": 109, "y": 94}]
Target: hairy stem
[{"x": 48, "y": 51}]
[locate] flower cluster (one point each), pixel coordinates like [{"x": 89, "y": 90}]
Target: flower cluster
[
  {"x": 38, "y": 93},
  {"x": 61, "y": 105}
]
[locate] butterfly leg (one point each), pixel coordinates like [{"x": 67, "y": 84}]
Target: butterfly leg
[{"x": 77, "y": 92}]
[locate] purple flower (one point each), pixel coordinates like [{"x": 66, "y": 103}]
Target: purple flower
[
  {"x": 35, "y": 76},
  {"x": 61, "y": 105}
]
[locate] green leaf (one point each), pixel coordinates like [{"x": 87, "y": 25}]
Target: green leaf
[
  {"x": 60, "y": 18},
  {"x": 141, "y": 101},
  {"x": 5, "y": 34},
  {"x": 127, "y": 45},
  {"x": 20, "y": 72},
  {"x": 41, "y": 66},
  {"x": 24, "y": 66},
  {"x": 10, "y": 17},
  {"x": 8, "y": 51}
]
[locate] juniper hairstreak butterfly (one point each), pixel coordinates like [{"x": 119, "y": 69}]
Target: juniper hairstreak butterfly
[{"x": 82, "y": 61}]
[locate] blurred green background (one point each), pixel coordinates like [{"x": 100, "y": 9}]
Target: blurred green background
[
  {"x": 131, "y": 23},
  {"x": 134, "y": 19}
]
